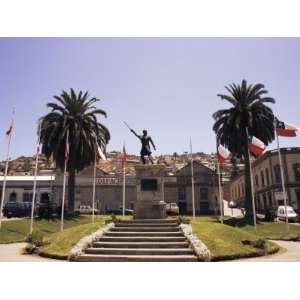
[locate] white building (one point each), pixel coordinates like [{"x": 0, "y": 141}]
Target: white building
[{"x": 20, "y": 188}]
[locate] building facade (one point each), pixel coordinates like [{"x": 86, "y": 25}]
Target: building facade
[
  {"x": 267, "y": 180},
  {"x": 177, "y": 188},
  {"x": 20, "y": 188}
]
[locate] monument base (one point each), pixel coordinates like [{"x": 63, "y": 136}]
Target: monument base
[
  {"x": 150, "y": 210},
  {"x": 150, "y": 196}
]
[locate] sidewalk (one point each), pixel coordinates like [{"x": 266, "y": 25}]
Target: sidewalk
[
  {"x": 13, "y": 253},
  {"x": 291, "y": 253}
]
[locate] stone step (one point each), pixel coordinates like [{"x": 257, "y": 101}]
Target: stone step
[
  {"x": 143, "y": 229},
  {"x": 137, "y": 258},
  {"x": 152, "y": 221},
  {"x": 143, "y": 245},
  {"x": 139, "y": 251},
  {"x": 127, "y": 224},
  {"x": 144, "y": 233},
  {"x": 142, "y": 239}
]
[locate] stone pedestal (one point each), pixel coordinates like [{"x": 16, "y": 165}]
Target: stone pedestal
[{"x": 150, "y": 201}]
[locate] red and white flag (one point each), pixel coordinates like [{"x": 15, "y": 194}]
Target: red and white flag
[
  {"x": 286, "y": 129},
  {"x": 100, "y": 153},
  {"x": 222, "y": 154},
  {"x": 9, "y": 130},
  {"x": 256, "y": 146}
]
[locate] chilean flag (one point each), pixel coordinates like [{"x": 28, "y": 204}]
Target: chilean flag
[
  {"x": 285, "y": 129},
  {"x": 256, "y": 146},
  {"x": 100, "y": 153},
  {"x": 222, "y": 154}
]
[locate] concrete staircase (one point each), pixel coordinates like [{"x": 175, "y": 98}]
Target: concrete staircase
[{"x": 141, "y": 240}]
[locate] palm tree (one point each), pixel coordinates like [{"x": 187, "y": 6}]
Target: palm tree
[
  {"x": 73, "y": 114},
  {"x": 248, "y": 116}
]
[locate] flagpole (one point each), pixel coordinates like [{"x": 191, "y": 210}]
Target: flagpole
[
  {"x": 64, "y": 185},
  {"x": 34, "y": 179},
  {"x": 6, "y": 169},
  {"x": 124, "y": 183},
  {"x": 220, "y": 189},
  {"x": 251, "y": 182},
  {"x": 94, "y": 186},
  {"x": 192, "y": 173},
  {"x": 282, "y": 182}
]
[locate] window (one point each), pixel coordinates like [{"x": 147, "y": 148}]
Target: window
[
  {"x": 262, "y": 178},
  {"x": 277, "y": 174},
  {"x": 27, "y": 197},
  {"x": 270, "y": 199},
  {"x": 13, "y": 197},
  {"x": 267, "y": 176},
  {"x": 296, "y": 168},
  {"x": 239, "y": 191},
  {"x": 203, "y": 194},
  {"x": 181, "y": 194}
]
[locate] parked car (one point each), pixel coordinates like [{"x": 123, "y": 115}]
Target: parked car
[
  {"x": 291, "y": 214},
  {"x": 119, "y": 211},
  {"x": 172, "y": 208},
  {"x": 86, "y": 209},
  {"x": 17, "y": 209}
]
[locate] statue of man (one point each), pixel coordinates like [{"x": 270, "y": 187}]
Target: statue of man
[{"x": 146, "y": 141}]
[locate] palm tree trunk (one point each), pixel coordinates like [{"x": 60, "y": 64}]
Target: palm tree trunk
[
  {"x": 71, "y": 190},
  {"x": 248, "y": 186}
]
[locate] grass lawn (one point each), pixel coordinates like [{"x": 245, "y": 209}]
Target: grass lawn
[
  {"x": 59, "y": 244},
  {"x": 225, "y": 242},
  {"x": 17, "y": 230},
  {"x": 275, "y": 231}
]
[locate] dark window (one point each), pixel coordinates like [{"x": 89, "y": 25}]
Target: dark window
[
  {"x": 265, "y": 202},
  {"x": 13, "y": 197},
  {"x": 296, "y": 168},
  {"x": 149, "y": 185},
  {"x": 277, "y": 174},
  {"x": 45, "y": 198},
  {"x": 181, "y": 194},
  {"x": 262, "y": 178},
  {"x": 267, "y": 176},
  {"x": 27, "y": 197},
  {"x": 204, "y": 194},
  {"x": 270, "y": 200}
]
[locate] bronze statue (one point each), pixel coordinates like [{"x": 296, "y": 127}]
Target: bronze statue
[{"x": 146, "y": 141}]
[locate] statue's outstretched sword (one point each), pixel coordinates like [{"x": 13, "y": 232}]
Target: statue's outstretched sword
[{"x": 127, "y": 125}]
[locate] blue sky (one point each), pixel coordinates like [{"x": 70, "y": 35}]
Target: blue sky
[{"x": 165, "y": 85}]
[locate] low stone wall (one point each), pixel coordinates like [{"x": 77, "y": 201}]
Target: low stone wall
[
  {"x": 201, "y": 251},
  {"x": 87, "y": 241}
]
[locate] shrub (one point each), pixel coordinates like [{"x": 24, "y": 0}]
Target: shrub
[
  {"x": 260, "y": 243},
  {"x": 112, "y": 219},
  {"x": 183, "y": 220},
  {"x": 30, "y": 249},
  {"x": 35, "y": 238},
  {"x": 270, "y": 215}
]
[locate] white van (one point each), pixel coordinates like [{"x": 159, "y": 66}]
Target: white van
[{"x": 291, "y": 214}]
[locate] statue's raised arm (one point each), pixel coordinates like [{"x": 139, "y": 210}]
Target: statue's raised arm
[{"x": 145, "y": 141}]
